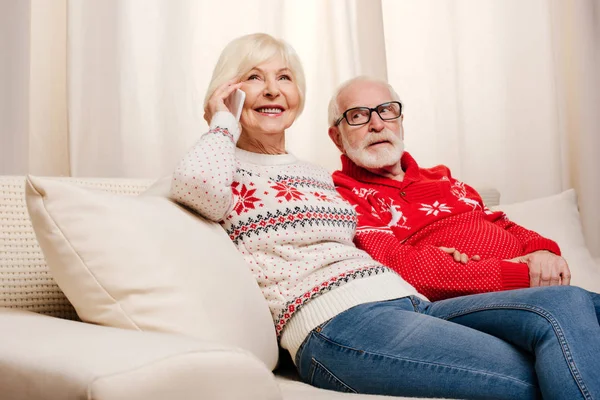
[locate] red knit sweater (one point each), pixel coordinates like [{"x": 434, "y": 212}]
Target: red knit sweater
[{"x": 402, "y": 224}]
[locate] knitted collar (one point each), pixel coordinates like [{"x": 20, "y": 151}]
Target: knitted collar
[
  {"x": 264, "y": 159},
  {"x": 408, "y": 163}
]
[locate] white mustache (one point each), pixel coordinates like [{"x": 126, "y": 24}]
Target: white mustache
[{"x": 385, "y": 136}]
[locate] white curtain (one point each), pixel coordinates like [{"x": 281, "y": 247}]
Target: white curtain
[
  {"x": 505, "y": 92},
  {"x": 138, "y": 70},
  {"x": 33, "y": 102}
]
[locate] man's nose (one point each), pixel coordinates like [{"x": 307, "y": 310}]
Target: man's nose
[{"x": 376, "y": 123}]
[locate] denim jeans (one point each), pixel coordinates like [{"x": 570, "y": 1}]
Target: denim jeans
[{"x": 519, "y": 344}]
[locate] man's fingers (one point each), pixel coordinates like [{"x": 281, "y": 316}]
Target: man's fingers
[
  {"x": 449, "y": 250},
  {"x": 555, "y": 273},
  {"x": 565, "y": 273},
  {"x": 520, "y": 259},
  {"x": 565, "y": 279},
  {"x": 552, "y": 271},
  {"x": 555, "y": 279},
  {"x": 546, "y": 277},
  {"x": 534, "y": 275},
  {"x": 547, "y": 273},
  {"x": 457, "y": 256},
  {"x": 547, "y": 269}
]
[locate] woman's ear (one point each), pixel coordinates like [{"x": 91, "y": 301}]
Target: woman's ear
[{"x": 336, "y": 137}]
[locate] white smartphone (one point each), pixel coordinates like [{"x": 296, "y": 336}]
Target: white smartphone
[{"x": 235, "y": 103}]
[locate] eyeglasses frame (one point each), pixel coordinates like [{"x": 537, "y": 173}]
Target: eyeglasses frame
[{"x": 343, "y": 116}]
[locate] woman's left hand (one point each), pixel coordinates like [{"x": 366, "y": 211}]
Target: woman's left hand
[{"x": 216, "y": 102}]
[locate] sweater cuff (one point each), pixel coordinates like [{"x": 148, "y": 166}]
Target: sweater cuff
[
  {"x": 541, "y": 244},
  {"x": 226, "y": 120},
  {"x": 514, "y": 275}
]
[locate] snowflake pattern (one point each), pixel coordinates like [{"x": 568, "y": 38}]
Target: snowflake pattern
[
  {"x": 435, "y": 208},
  {"x": 321, "y": 196},
  {"x": 287, "y": 192},
  {"x": 245, "y": 198},
  {"x": 364, "y": 192}
]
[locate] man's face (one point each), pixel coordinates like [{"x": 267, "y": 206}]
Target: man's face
[{"x": 376, "y": 144}]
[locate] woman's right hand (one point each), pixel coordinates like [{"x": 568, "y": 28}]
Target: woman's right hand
[{"x": 216, "y": 102}]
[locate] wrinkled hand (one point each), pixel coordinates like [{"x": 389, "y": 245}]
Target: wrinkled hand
[
  {"x": 218, "y": 101},
  {"x": 545, "y": 268},
  {"x": 458, "y": 256}
]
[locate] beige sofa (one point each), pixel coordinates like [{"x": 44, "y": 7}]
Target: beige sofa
[{"x": 170, "y": 309}]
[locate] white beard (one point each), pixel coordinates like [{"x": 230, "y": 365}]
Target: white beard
[{"x": 368, "y": 158}]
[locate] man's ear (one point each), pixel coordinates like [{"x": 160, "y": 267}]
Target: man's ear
[
  {"x": 401, "y": 121},
  {"x": 335, "y": 135}
]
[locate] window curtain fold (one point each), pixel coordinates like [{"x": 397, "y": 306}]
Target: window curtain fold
[{"x": 504, "y": 92}]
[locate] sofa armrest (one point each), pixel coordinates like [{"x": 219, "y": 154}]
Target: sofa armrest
[{"x": 46, "y": 358}]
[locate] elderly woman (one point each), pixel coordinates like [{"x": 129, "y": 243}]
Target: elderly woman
[{"x": 349, "y": 323}]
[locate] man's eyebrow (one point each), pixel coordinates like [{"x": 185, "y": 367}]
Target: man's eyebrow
[{"x": 363, "y": 106}]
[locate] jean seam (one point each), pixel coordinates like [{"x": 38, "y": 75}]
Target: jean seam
[
  {"x": 315, "y": 362},
  {"x": 555, "y": 326},
  {"x": 371, "y": 353},
  {"x": 301, "y": 349},
  {"x": 415, "y": 304}
]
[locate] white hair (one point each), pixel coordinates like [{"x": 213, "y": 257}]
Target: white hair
[
  {"x": 248, "y": 51},
  {"x": 334, "y": 109}
]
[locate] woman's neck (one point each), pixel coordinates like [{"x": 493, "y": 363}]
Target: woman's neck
[{"x": 272, "y": 144}]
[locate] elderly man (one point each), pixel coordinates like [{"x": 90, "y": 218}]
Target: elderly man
[{"x": 429, "y": 227}]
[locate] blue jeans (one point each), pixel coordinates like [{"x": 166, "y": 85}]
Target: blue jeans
[{"x": 519, "y": 344}]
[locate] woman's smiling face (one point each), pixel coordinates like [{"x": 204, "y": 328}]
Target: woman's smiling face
[{"x": 272, "y": 99}]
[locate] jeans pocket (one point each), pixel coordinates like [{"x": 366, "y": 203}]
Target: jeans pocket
[
  {"x": 321, "y": 377},
  {"x": 416, "y": 302}
]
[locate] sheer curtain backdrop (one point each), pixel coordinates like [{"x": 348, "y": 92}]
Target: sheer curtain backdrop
[
  {"x": 138, "y": 70},
  {"x": 33, "y": 102},
  {"x": 505, "y": 92}
]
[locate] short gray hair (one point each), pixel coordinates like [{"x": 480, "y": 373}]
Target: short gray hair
[
  {"x": 334, "y": 109},
  {"x": 248, "y": 51}
]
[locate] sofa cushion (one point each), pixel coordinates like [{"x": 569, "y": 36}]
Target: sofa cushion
[
  {"x": 145, "y": 263},
  {"x": 557, "y": 217},
  {"x": 45, "y": 358},
  {"x": 25, "y": 281}
]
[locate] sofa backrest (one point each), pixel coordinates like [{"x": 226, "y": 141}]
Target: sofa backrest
[{"x": 25, "y": 281}]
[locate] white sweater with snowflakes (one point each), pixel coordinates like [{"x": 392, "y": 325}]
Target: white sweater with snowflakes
[{"x": 293, "y": 229}]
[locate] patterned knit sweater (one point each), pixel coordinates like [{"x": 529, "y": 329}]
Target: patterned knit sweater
[
  {"x": 402, "y": 224},
  {"x": 291, "y": 226}
]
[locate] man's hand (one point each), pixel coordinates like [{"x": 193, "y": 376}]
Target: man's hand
[
  {"x": 545, "y": 268},
  {"x": 458, "y": 256}
]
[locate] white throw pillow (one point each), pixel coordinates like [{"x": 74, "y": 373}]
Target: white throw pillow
[
  {"x": 145, "y": 263},
  {"x": 557, "y": 217}
]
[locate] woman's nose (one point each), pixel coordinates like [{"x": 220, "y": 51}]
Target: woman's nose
[{"x": 271, "y": 88}]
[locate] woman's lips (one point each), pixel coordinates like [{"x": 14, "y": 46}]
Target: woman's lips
[{"x": 271, "y": 111}]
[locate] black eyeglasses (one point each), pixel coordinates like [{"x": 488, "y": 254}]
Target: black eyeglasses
[{"x": 361, "y": 115}]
